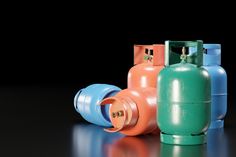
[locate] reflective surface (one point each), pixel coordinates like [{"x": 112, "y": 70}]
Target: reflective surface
[
  {"x": 89, "y": 140},
  {"x": 41, "y": 121}
]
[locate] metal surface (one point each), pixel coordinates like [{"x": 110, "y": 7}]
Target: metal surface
[
  {"x": 87, "y": 101},
  {"x": 148, "y": 62},
  {"x": 139, "y": 108},
  {"x": 211, "y": 62},
  {"x": 184, "y": 101}
]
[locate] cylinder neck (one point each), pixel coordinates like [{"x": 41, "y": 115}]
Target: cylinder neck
[
  {"x": 123, "y": 113},
  {"x": 212, "y": 54}
]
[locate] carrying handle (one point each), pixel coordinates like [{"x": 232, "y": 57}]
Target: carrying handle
[
  {"x": 212, "y": 54},
  {"x": 149, "y": 53},
  {"x": 193, "y": 56}
]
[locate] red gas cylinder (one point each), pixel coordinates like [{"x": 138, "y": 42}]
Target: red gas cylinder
[
  {"x": 133, "y": 111},
  {"x": 148, "y": 62}
]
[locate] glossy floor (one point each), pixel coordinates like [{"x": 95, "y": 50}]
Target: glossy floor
[
  {"x": 41, "y": 121},
  {"x": 89, "y": 140}
]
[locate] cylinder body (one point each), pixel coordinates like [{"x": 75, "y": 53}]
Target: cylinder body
[
  {"x": 86, "y": 102},
  {"x": 211, "y": 62},
  {"x": 183, "y": 103},
  {"x": 143, "y": 75}
]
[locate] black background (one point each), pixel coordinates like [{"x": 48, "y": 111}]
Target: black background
[{"x": 49, "y": 53}]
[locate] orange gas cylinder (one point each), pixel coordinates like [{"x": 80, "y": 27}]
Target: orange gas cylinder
[
  {"x": 148, "y": 62},
  {"x": 133, "y": 111}
]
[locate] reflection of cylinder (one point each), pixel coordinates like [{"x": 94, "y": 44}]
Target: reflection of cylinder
[
  {"x": 182, "y": 150},
  {"x": 139, "y": 146},
  {"x": 91, "y": 141},
  {"x": 217, "y": 143},
  {"x": 86, "y": 103}
]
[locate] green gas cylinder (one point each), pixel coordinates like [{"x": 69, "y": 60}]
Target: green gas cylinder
[{"x": 184, "y": 95}]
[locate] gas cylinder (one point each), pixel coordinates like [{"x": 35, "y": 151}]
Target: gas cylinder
[
  {"x": 184, "y": 97},
  {"x": 148, "y": 62},
  {"x": 86, "y": 102},
  {"x": 211, "y": 62},
  {"x": 133, "y": 111}
]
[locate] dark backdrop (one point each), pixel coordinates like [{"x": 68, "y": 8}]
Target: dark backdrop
[
  {"x": 49, "y": 55},
  {"x": 56, "y": 49}
]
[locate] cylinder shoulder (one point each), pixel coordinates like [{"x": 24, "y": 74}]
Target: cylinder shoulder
[
  {"x": 184, "y": 69},
  {"x": 216, "y": 70},
  {"x": 145, "y": 66}
]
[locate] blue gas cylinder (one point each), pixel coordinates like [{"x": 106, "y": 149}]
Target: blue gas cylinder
[
  {"x": 86, "y": 102},
  {"x": 212, "y": 62}
]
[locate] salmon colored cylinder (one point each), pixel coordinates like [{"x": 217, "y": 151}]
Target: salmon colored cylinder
[
  {"x": 148, "y": 62},
  {"x": 133, "y": 111}
]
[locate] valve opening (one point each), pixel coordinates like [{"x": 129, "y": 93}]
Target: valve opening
[{"x": 105, "y": 108}]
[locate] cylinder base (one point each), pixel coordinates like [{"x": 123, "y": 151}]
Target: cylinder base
[
  {"x": 216, "y": 124},
  {"x": 183, "y": 139}
]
